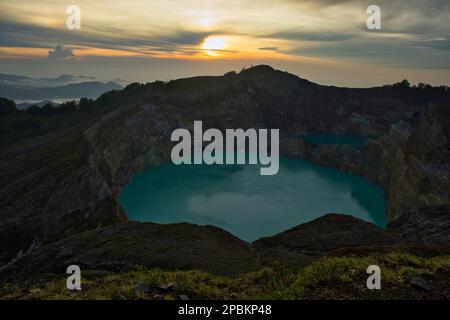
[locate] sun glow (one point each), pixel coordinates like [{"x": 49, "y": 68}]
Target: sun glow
[
  {"x": 214, "y": 43},
  {"x": 206, "y": 22}
]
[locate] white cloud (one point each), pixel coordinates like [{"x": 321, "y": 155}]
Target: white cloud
[{"x": 59, "y": 53}]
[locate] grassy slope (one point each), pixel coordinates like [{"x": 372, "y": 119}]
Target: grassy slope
[{"x": 328, "y": 278}]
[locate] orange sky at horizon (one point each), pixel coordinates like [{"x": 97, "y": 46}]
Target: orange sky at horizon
[{"x": 318, "y": 37}]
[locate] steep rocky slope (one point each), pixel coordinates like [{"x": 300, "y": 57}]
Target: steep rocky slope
[
  {"x": 411, "y": 161},
  {"x": 429, "y": 225},
  {"x": 60, "y": 180}
]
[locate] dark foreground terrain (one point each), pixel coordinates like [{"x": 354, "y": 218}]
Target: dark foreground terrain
[{"x": 62, "y": 170}]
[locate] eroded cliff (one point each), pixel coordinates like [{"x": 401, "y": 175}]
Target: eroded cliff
[{"x": 66, "y": 180}]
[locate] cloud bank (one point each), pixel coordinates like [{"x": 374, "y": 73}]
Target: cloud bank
[{"x": 415, "y": 34}]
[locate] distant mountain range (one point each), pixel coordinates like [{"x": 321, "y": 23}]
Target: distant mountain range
[
  {"x": 92, "y": 89},
  {"x": 20, "y": 81},
  {"x": 18, "y": 87},
  {"x": 25, "y": 105}
]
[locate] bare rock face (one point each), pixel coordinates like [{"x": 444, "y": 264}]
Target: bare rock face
[
  {"x": 411, "y": 162},
  {"x": 419, "y": 166},
  {"x": 50, "y": 189},
  {"x": 66, "y": 181},
  {"x": 428, "y": 225},
  {"x": 129, "y": 140}
]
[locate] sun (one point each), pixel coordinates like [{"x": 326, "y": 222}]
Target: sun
[
  {"x": 206, "y": 22},
  {"x": 214, "y": 43}
]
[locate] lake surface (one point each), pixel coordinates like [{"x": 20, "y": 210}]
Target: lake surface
[
  {"x": 343, "y": 139},
  {"x": 238, "y": 199}
]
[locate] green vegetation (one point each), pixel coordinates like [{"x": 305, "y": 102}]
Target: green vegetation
[
  {"x": 18, "y": 125},
  {"x": 328, "y": 278}
]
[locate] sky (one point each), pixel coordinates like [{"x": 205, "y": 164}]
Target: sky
[{"x": 324, "y": 41}]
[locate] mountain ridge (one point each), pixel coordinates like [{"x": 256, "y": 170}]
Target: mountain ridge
[{"x": 64, "y": 176}]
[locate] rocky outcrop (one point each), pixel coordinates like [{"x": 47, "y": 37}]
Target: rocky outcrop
[
  {"x": 129, "y": 140},
  {"x": 428, "y": 225},
  {"x": 50, "y": 189},
  {"x": 411, "y": 162},
  {"x": 61, "y": 183}
]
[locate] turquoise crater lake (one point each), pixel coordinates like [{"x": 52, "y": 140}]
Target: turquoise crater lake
[
  {"x": 238, "y": 199},
  {"x": 352, "y": 140}
]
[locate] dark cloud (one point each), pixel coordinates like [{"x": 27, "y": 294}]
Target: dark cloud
[
  {"x": 393, "y": 52},
  {"x": 321, "y": 3},
  {"x": 19, "y": 34},
  {"x": 415, "y": 33},
  {"x": 269, "y": 48},
  {"x": 428, "y": 5},
  {"x": 311, "y": 36}
]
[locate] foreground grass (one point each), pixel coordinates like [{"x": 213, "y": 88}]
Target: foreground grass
[{"x": 328, "y": 278}]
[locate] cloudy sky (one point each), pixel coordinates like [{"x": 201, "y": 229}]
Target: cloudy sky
[{"x": 143, "y": 40}]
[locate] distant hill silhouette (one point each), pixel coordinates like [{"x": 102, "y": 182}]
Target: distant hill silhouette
[
  {"x": 91, "y": 89},
  {"x": 20, "y": 81}
]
